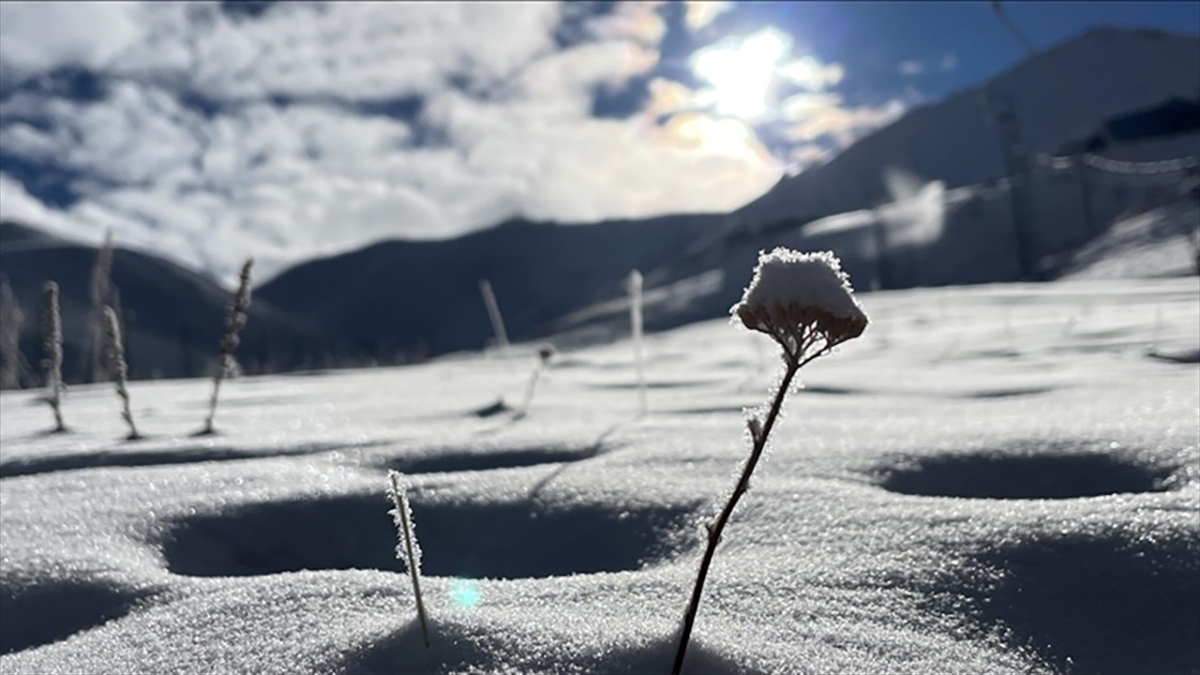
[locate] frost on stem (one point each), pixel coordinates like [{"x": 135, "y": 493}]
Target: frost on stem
[
  {"x": 54, "y": 354},
  {"x": 407, "y": 550},
  {"x": 233, "y": 325},
  {"x": 805, "y": 303},
  {"x": 117, "y": 368}
]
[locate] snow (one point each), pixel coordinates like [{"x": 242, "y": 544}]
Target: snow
[
  {"x": 814, "y": 280},
  {"x": 1158, "y": 243},
  {"x": 1004, "y": 478}
]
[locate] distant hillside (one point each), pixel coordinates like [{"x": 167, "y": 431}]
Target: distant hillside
[
  {"x": 173, "y": 317},
  {"x": 424, "y": 295}
]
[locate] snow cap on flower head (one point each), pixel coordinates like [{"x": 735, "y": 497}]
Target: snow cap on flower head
[{"x": 802, "y": 300}]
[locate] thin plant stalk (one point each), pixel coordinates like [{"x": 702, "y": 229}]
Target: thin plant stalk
[
  {"x": 529, "y": 391},
  {"x": 233, "y": 324},
  {"x": 544, "y": 354},
  {"x": 493, "y": 309},
  {"x": 54, "y": 354},
  {"x": 635, "y": 319},
  {"x": 118, "y": 369},
  {"x": 759, "y": 434},
  {"x": 805, "y": 303},
  {"x": 412, "y": 552},
  {"x": 98, "y": 289}
]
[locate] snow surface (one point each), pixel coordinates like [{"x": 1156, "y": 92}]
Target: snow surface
[
  {"x": 1158, "y": 243},
  {"x": 993, "y": 479}
]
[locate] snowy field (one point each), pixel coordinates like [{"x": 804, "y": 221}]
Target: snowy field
[{"x": 992, "y": 479}]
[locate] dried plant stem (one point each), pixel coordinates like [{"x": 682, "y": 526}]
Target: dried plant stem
[
  {"x": 401, "y": 503},
  {"x": 533, "y": 379},
  {"x": 99, "y": 290},
  {"x": 759, "y": 434},
  {"x": 54, "y": 354},
  {"x": 233, "y": 324},
  {"x": 117, "y": 367},
  {"x": 805, "y": 303},
  {"x": 635, "y": 320},
  {"x": 493, "y": 309}
]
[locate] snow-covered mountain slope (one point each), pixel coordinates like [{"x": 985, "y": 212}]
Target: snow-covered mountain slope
[
  {"x": 1092, "y": 224},
  {"x": 1161, "y": 242},
  {"x": 993, "y": 479},
  {"x": 1057, "y": 96}
]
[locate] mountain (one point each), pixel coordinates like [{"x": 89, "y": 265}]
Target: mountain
[
  {"x": 1055, "y": 96},
  {"x": 173, "y": 317},
  {"x": 403, "y": 295}
]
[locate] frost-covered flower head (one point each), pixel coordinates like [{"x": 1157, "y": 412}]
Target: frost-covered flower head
[{"x": 802, "y": 300}]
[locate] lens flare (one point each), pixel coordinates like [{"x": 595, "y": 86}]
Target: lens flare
[{"x": 464, "y": 593}]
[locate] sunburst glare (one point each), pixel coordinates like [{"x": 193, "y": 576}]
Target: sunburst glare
[{"x": 741, "y": 71}]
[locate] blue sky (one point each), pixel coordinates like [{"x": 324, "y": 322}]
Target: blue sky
[
  {"x": 871, "y": 38},
  {"x": 208, "y": 131}
]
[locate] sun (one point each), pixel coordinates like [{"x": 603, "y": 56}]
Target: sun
[{"x": 741, "y": 71}]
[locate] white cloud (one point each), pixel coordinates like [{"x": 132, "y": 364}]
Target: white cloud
[
  {"x": 910, "y": 68},
  {"x": 575, "y": 170},
  {"x": 701, "y": 13},
  {"x": 358, "y": 50},
  {"x": 36, "y": 37},
  {"x": 636, "y": 20},
  {"x": 810, "y": 154},
  {"x": 667, "y": 97},
  {"x": 810, "y": 73},
  {"x": 316, "y": 176},
  {"x": 133, "y": 136},
  {"x": 949, "y": 62},
  {"x": 17, "y": 204},
  {"x": 813, "y": 116}
]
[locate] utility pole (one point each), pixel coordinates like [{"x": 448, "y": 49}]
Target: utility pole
[{"x": 1003, "y": 116}]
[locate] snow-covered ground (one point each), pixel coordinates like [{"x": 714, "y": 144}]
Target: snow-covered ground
[
  {"x": 992, "y": 479},
  {"x": 1160, "y": 242}
]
